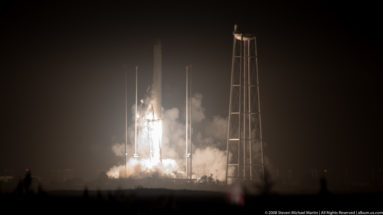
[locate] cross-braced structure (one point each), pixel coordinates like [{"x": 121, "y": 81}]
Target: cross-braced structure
[{"x": 244, "y": 130}]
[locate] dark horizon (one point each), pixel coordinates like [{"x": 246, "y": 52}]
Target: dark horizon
[{"x": 63, "y": 67}]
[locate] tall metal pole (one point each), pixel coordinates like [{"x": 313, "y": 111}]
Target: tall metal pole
[
  {"x": 190, "y": 126},
  {"x": 126, "y": 119},
  {"x": 190, "y": 129},
  {"x": 136, "y": 117},
  {"x": 187, "y": 122}
]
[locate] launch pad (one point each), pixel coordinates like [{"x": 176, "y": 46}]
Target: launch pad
[{"x": 244, "y": 151}]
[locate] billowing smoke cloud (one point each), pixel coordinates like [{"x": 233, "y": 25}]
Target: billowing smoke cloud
[
  {"x": 217, "y": 128},
  {"x": 118, "y": 149},
  {"x": 173, "y": 140},
  {"x": 209, "y": 161},
  {"x": 212, "y": 134},
  {"x": 143, "y": 168},
  {"x": 197, "y": 111},
  {"x": 208, "y": 139}
]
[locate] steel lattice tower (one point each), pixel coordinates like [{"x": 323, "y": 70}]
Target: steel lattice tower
[{"x": 244, "y": 130}]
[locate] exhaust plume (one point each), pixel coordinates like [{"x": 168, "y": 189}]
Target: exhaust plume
[{"x": 208, "y": 139}]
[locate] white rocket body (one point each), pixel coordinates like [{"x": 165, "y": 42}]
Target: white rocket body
[
  {"x": 156, "y": 104},
  {"x": 157, "y": 79}
]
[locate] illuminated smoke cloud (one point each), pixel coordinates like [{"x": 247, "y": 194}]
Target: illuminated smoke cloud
[
  {"x": 144, "y": 168},
  {"x": 209, "y": 161},
  {"x": 119, "y": 149},
  {"x": 173, "y": 142},
  {"x": 197, "y": 111},
  {"x": 209, "y": 157},
  {"x": 217, "y": 129}
]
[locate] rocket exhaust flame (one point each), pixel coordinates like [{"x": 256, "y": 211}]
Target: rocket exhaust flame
[
  {"x": 152, "y": 130},
  {"x": 149, "y": 148}
]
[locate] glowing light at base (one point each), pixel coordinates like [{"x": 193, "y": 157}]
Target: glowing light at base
[
  {"x": 151, "y": 128},
  {"x": 142, "y": 168},
  {"x": 150, "y": 162}
]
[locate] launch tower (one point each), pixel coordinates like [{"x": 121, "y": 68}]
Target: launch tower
[{"x": 244, "y": 130}]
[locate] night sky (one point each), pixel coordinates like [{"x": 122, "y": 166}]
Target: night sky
[{"x": 63, "y": 63}]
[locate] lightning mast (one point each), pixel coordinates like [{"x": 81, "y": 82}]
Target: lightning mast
[
  {"x": 135, "y": 155},
  {"x": 190, "y": 127},
  {"x": 126, "y": 119},
  {"x": 188, "y": 144}
]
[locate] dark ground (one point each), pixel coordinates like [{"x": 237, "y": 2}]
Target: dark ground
[
  {"x": 252, "y": 199},
  {"x": 186, "y": 197},
  {"x": 144, "y": 201}
]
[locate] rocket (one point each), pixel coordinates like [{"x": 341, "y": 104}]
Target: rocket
[
  {"x": 157, "y": 79},
  {"x": 155, "y": 105},
  {"x": 150, "y": 129}
]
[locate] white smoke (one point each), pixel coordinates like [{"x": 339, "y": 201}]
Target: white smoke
[
  {"x": 143, "y": 168},
  {"x": 209, "y": 161},
  {"x": 173, "y": 141},
  {"x": 118, "y": 149},
  {"x": 217, "y": 128},
  {"x": 197, "y": 111},
  {"x": 208, "y": 139}
]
